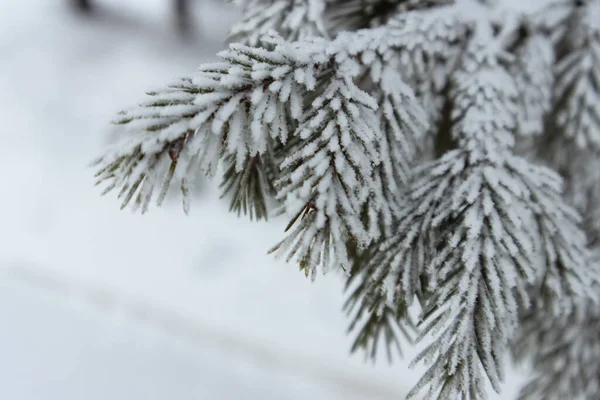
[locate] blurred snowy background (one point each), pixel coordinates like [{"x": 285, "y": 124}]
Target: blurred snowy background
[{"x": 101, "y": 304}]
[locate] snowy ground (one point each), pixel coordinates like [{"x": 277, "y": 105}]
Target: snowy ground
[{"x": 101, "y": 304}]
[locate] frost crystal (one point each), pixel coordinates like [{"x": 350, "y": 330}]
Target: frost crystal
[{"x": 442, "y": 153}]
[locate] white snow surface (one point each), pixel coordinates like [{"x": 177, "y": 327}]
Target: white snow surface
[{"x": 98, "y": 303}]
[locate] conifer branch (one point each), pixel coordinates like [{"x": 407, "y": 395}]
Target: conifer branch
[
  {"x": 485, "y": 254},
  {"x": 393, "y": 151},
  {"x": 359, "y": 14},
  {"x": 291, "y": 19},
  {"x": 230, "y": 109},
  {"x": 328, "y": 178},
  {"x": 534, "y": 73},
  {"x": 564, "y": 351},
  {"x": 577, "y": 89},
  {"x": 374, "y": 319}
]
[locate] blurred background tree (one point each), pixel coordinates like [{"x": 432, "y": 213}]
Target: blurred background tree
[{"x": 181, "y": 12}]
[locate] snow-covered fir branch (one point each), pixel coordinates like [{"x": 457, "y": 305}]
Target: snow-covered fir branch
[
  {"x": 232, "y": 110},
  {"x": 373, "y": 319},
  {"x": 442, "y": 153},
  {"x": 533, "y": 70},
  {"x": 328, "y": 177},
  {"x": 292, "y": 19},
  {"x": 564, "y": 350},
  {"x": 578, "y": 79}
]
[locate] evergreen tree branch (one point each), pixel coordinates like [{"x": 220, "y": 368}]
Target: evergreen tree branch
[
  {"x": 251, "y": 189},
  {"x": 564, "y": 350},
  {"x": 373, "y": 320},
  {"x": 328, "y": 178},
  {"x": 227, "y": 110},
  {"x": 577, "y": 89},
  {"x": 484, "y": 254},
  {"x": 567, "y": 276},
  {"x": 534, "y": 73},
  {"x": 291, "y": 19},
  {"x": 392, "y": 151},
  {"x": 483, "y": 257}
]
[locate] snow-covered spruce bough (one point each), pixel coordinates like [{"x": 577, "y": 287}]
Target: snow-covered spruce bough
[{"x": 444, "y": 154}]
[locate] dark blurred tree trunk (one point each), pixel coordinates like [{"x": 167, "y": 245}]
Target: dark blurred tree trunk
[
  {"x": 182, "y": 15},
  {"x": 82, "y": 5}
]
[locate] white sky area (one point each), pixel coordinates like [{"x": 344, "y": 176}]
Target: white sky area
[{"x": 97, "y": 303}]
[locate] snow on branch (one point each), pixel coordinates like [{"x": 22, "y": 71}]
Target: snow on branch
[
  {"x": 394, "y": 151},
  {"x": 478, "y": 273},
  {"x": 578, "y": 78},
  {"x": 329, "y": 176},
  {"x": 233, "y": 108},
  {"x": 403, "y": 126},
  {"x": 357, "y": 14},
  {"x": 564, "y": 350},
  {"x": 299, "y": 99},
  {"x": 534, "y": 75},
  {"x": 479, "y": 205},
  {"x": 374, "y": 320},
  {"x": 292, "y": 19},
  {"x": 566, "y": 273},
  {"x": 485, "y": 101},
  {"x": 417, "y": 38}
]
